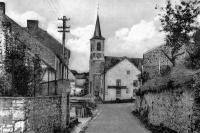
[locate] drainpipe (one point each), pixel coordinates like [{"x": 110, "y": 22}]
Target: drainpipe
[{"x": 48, "y": 82}]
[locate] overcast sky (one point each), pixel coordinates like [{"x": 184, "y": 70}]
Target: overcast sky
[{"x": 130, "y": 27}]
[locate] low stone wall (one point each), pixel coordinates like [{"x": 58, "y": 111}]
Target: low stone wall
[
  {"x": 35, "y": 115},
  {"x": 172, "y": 108}
]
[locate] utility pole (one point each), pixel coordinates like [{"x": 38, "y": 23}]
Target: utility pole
[
  {"x": 66, "y": 94},
  {"x": 64, "y": 29}
]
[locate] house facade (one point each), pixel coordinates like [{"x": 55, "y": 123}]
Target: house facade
[
  {"x": 111, "y": 78},
  {"x": 121, "y": 81}
]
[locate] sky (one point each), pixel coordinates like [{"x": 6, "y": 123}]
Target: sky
[{"x": 131, "y": 27}]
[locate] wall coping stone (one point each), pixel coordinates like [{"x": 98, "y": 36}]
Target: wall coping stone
[{"x": 56, "y": 96}]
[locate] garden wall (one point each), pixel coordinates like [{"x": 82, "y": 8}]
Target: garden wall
[
  {"x": 177, "y": 108},
  {"x": 35, "y": 115}
]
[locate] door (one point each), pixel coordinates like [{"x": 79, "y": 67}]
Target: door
[
  {"x": 118, "y": 93},
  {"x": 118, "y": 89}
]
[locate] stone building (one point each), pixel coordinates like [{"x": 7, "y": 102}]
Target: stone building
[
  {"x": 56, "y": 47},
  {"x": 39, "y": 43},
  {"x": 39, "y": 114},
  {"x": 103, "y": 68},
  {"x": 155, "y": 61}
]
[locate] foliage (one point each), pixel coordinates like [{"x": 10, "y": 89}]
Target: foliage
[
  {"x": 193, "y": 60},
  {"x": 5, "y": 85},
  {"x": 37, "y": 72},
  {"x": 15, "y": 64},
  {"x": 144, "y": 77},
  {"x": 178, "y": 22},
  {"x": 166, "y": 70},
  {"x": 25, "y": 71}
]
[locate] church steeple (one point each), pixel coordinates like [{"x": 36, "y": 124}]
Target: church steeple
[{"x": 97, "y": 31}]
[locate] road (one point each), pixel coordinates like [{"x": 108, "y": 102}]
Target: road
[{"x": 115, "y": 118}]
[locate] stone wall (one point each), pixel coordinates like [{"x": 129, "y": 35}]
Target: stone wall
[
  {"x": 35, "y": 115},
  {"x": 172, "y": 108}
]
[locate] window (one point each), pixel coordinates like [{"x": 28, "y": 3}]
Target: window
[
  {"x": 135, "y": 83},
  {"x": 94, "y": 55},
  {"x": 98, "y": 46},
  {"x": 98, "y": 55},
  {"x": 118, "y": 82},
  {"x": 127, "y": 90},
  {"x": 128, "y": 72}
]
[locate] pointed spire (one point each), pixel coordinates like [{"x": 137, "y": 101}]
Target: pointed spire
[{"x": 97, "y": 31}]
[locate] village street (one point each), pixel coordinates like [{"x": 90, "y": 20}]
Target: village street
[{"x": 115, "y": 118}]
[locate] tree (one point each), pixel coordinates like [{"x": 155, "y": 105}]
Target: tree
[
  {"x": 193, "y": 60},
  {"x": 179, "y": 23}
]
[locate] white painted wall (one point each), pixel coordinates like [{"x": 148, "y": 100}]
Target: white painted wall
[
  {"x": 51, "y": 76},
  {"x": 119, "y": 71}
]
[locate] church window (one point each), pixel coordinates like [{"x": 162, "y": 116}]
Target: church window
[
  {"x": 128, "y": 72},
  {"x": 98, "y": 46},
  {"x": 135, "y": 83},
  {"x": 98, "y": 55}
]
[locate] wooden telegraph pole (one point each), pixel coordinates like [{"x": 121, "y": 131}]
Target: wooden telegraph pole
[
  {"x": 64, "y": 29},
  {"x": 66, "y": 94}
]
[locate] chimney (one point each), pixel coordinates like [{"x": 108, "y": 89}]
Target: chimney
[
  {"x": 32, "y": 25},
  {"x": 2, "y": 7}
]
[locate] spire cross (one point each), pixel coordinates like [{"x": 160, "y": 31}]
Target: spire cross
[{"x": 98, "y": 8}]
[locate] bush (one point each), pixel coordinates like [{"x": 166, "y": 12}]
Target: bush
[{"x": 165, "y": 70}]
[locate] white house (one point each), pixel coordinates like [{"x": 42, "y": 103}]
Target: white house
[{"x": 121, "y": 81}]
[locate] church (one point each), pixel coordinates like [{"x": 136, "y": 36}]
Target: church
[{"x": 111, "y": 78}]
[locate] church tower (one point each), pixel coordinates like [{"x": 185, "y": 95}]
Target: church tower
[{"x": 96, "y": 66}]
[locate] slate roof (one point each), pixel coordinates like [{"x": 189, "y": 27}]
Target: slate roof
[
  {"x": 49, "y": 41},
  {"x": 27, "y": 39},
  {"x": 111, "y": 61},
  {"x": 97, "y": 31}
]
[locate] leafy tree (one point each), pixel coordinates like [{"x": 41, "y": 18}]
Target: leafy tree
[
  {"x": 193, "y": 60},
  {"x": 178, "y": 22},
  {"x": 15, "y": 64},
  {"x": 37, "y": 72},
  {"x": 143, "y": 77}
]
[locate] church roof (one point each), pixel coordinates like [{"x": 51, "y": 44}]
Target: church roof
[
  {"x": 97, "y": 31},
  {"x": 111, "y": 61}
]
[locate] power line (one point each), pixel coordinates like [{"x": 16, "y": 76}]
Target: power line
[
  {"x": 61, "y": 6},
  {"x": 51, "y": 7},
  {"x": 56, "y": 6}
]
